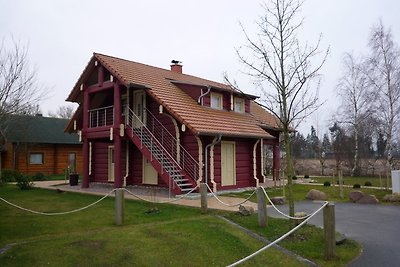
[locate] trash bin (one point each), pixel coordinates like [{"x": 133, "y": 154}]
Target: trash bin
[
  {"x": 73, "y": 179},
  {"x": 396, "y": 181}
]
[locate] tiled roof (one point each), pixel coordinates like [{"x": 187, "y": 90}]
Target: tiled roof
[
  {"x": 159, "y": 83},
  {"x": 36, "y": 129}
]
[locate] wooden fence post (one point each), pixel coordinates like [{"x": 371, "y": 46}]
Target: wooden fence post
[
  {"x": 119, "y": 206},
  {"x": 261, "y": 208},
  {"x": 329, "y": 231},
  {"x": 203, "y": 196}
]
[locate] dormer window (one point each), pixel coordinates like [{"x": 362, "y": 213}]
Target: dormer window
[
  {"x": 238, "y": 104},
  {"x": 216, "y": 100}
]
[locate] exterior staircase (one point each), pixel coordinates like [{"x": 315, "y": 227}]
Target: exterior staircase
[{"x": 180, "y": 176}]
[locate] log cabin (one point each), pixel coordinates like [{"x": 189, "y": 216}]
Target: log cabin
[
  {"x": 144, "y": 125},
  {"x": 37, "y": 144}
]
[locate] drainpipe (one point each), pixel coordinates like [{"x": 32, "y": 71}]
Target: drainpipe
[
  {"x": 206, "y": 156},
  {"x": 203, "y": 95}
]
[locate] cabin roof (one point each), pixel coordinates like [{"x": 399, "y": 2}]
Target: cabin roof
[
  {"x": 161, "y": 84},
  {"x": 36, "y": 129}
]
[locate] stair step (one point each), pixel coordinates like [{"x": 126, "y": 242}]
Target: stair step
[
  {"x": 186, "y": 189},
  {"x": 184, "y": 185}
]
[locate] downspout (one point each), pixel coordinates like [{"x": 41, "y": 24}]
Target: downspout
[
  {"x": 255, "y": 163},
  {"x": 206, "y": 155},
  {"x": 126, "y": 163},
  {"x": 262, "y": 161},
  {"x": 203, "y": 95}
]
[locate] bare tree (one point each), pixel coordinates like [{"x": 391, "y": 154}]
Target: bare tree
[
  {"x": 283, "y": 70},
  {"x": 64, "y": 112},
  {"x": 356, "y": 101},
  {"x": 385, "y": 79},
  {"x": 19, "y": 90}
]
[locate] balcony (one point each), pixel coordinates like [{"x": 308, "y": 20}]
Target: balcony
[{"x": 101, "y": 117}]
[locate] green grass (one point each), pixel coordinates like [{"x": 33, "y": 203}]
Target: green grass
[
  {"x": 307, "y": 241},
  {"x": 176, "y": 236},
  {"x": 348, "y": 180},
  {"x": 300, "y": 191}
]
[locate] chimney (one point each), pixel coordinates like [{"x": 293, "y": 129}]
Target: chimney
[{"x": 176, "y": 66}]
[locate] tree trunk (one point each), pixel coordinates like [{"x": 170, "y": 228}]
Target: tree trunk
[{"x": 289, "y": 171}]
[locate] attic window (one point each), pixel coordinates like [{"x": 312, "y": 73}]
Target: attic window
[
  {"x": 36, "y": 158},
  {"x": 216, "y": 100},
  {"x": 239, "y": 104}
]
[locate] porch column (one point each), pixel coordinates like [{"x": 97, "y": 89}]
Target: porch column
[
  {"x": 85, "y": 154},
  {"x": 85, "y": 147},
  {"x": 117, "y": 138},
  {"x": 275, "y": 163}
]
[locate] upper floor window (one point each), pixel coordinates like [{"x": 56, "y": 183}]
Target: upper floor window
[
  {"x": 238, "y": 104},
  {"x": 216, "y": 100}
]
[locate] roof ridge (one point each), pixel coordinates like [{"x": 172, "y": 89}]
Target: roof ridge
[{"x": 163, "y": 69}]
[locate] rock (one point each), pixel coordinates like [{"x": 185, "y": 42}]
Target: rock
[
  {"x": 356, "y": 195},
  {"x": 300, "y": 215},
  {"x": 278, "y": 200},
  {"x": 368, "y": 199},
  {"x": 340, "y": 238},
  {"x": 246, "y": 210},
  {"x": 392, "y": 198},
  {"x": 314, "y": 194}
]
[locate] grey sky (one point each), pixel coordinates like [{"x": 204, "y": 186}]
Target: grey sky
[{"x": 62, "y": 36}]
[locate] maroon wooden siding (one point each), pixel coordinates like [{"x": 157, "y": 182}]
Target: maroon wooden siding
[
  {"x": 136, "y": 167},
  {"x": 100, "y": 161},
  {"x": 192, "y": 90},
  {"x": 244, "y": 163}
]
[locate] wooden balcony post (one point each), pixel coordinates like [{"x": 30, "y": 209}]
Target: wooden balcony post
[{"x": 118, "y": 180}]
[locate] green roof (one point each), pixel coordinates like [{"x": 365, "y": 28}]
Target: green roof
[{"x": 36, "y": 129}]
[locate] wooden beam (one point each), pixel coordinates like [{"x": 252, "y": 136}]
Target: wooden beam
[{"x": 96, "y": 88}]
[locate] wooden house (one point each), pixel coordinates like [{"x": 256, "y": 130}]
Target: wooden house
[
  {"x": 36, "y": 144},
  {"x": 144, "y": 125}
]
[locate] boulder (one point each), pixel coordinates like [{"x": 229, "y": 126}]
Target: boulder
[
  {"x": 278, "y": 200},
  {"x": 356, "y": 195},
  {"x": 246, "y": 210},
  {"x": 368, "y": 199},
  {"x": 314, "y": 194},
  {"x": 300, "y": 215},
  {"x": 392, "y": 198}
]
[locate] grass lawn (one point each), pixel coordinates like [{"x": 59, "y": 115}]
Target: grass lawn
[
  {"x": 176, "y": 236},
  {"x": 361, "y": 180}
]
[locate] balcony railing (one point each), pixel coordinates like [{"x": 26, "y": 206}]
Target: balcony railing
[{"x": 101, "y": 117}]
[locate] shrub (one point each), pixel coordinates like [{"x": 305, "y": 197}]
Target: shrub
[
  {"x": 8, "y": 176},
  {"x": 368, "y": 183},
  {"x": 39, "y": 177},
  {"x": 327, "y": 183},
  {"x": 356, "y": 186},
  {"x": 306, "y": 176},
  {"x": 294, "y": 177},
  {"x": 24, "y": 182}
]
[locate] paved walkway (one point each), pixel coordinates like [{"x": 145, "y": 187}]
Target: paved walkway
[{"x": 148, "y": 193}]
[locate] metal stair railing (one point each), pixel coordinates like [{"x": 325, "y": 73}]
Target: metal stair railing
[
  {"x": 182, "y": 156},
  {"x": 167, "y": 141}
]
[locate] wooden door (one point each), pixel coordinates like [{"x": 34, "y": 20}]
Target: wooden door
[
  {"x": 150, "y": 175},
  {"x": 139, "y": 107},
  {"x": 111, "y": 164},
  {"x": 228, "y": 163}
]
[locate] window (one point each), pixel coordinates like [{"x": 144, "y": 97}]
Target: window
[
  {"x": 216, "y": 101},
  {"x": 239, "y": 104},
  {"x": 36, "y": 158}
]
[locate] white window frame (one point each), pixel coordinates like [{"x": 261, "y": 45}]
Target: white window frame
[
  {"x": 240, "y": 101},
  {"x": 220, "y": 100}
]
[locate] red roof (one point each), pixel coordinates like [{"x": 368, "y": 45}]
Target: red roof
[{"x": 159, "y": 83}]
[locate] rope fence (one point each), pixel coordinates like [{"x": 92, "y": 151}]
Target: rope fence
[
  {"x": 279, "y": 239},
  {"x": 226, "y": 204},
  {"x": 160, "y": 202},
  {"x": 56, "y": 213}
]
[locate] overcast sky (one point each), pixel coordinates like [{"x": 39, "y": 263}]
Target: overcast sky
[{"x": 62, "y": 35}]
